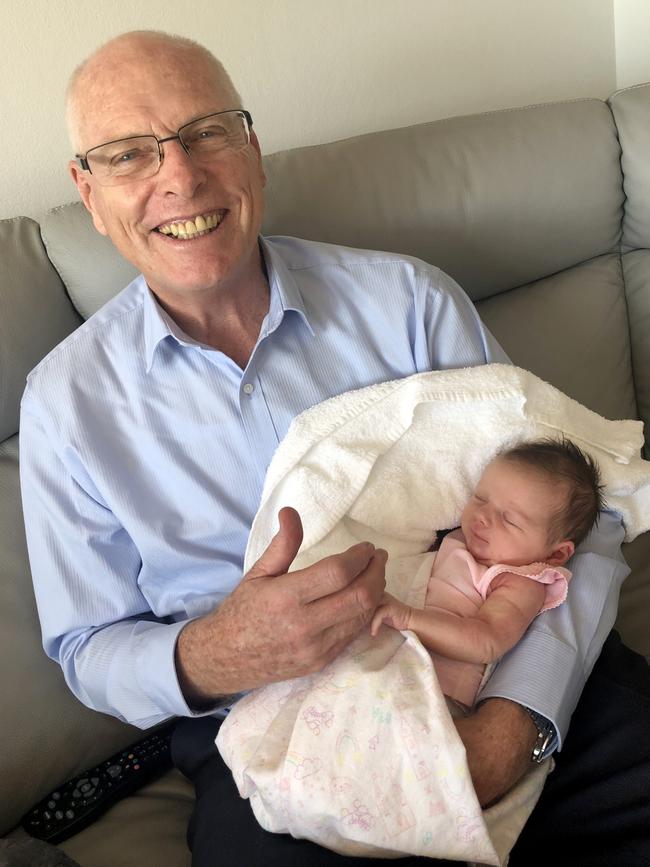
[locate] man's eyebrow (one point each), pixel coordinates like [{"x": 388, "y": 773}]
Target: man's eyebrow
[{"x": 149, "y": 132}]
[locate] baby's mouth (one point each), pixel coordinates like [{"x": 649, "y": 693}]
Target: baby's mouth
[{"x": 186, "y": 230}]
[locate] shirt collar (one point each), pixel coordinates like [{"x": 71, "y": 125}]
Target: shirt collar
[
  {"x": 156, "y": 326},
  {"x": 284, "y": 292},
  {"x": 284, "y": 295}
]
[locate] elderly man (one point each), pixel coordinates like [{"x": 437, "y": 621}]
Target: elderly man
[{"x": 140, "y": 486}]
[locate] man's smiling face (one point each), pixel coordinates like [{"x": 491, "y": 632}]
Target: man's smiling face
[{"x": 142, "y": 87}]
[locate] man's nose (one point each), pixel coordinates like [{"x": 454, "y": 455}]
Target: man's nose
[{"x": 178, "y": 172}]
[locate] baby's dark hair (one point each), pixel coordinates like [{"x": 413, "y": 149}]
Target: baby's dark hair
[{"x": 564, "y": 463}]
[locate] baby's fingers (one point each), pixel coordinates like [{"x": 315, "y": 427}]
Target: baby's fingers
[{"x": 378, "y": 618}]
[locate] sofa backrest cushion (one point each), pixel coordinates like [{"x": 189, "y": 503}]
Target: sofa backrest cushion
[
  {"x": 631, "y": 110},
  {"x": 36, "y": 312},
  {"x": 47, "y": 735},
  {"x": 92, "y": 269},
  {"x": 572, "y": 330},
  {"x": 496, "y": 200}
]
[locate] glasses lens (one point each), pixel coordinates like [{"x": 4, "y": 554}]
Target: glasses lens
[
  {"x": 124, "y": 160},
  {"x": 227, "y": 130}
]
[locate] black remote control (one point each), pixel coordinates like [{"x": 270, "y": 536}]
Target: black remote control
[{"x": 77, "y": 803}]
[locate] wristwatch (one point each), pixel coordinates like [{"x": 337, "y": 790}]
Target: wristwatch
[{"x": 546, "y": 737}]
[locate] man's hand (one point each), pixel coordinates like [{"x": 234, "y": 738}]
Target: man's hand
[
  {"x": 275, "y": 625},
  {"x": 499, "y": 737}
]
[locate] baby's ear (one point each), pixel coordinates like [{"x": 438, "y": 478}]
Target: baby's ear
[{"x": 560, "y": 553}]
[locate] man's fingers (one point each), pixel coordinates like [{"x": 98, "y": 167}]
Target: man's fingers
[
  {"x": 282, "y": 549},
  {"x": 337, "y": 637},
  {"x": 358, "y": 600},
  {"x": 328, "y": 577}
]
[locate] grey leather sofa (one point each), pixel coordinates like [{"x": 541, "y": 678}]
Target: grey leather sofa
[{"x": 542, "y": 214}]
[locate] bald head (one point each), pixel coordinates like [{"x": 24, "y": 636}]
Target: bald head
[{"x": 163, "y": 52}]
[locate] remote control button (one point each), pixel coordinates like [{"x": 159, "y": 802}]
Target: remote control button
[
  {"x": 69, "y": 814},
  {"x": 56, "y": 795},
  {"x": 76, "y": 793},
  {"x": 58, "y": 815},
  {"x": 47, "y": 815},
  {"x": 51, "y": 804},
  {"x": 114, "y": 771}
]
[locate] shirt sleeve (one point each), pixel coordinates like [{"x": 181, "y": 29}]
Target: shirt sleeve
[
  {"x": 549, "y": 667},
  {"x": 454, "y": 335},
  {"x": 85, "y": 571}
]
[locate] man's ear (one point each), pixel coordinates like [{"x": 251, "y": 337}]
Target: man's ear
[
  {"x": 560, "y": 553},
  {"x": 86, "y": 192},
  {"x": 256, "y": 145}
]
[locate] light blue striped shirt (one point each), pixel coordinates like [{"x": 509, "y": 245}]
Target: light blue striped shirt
[{"x": 143, "y": 455}]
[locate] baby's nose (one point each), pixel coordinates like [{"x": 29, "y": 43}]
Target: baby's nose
[{"x": 482, "y": 518}]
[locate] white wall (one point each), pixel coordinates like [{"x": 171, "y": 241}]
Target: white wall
[
  {"x": 632, "y": 20},
  {"x": 309, "y": 70}
]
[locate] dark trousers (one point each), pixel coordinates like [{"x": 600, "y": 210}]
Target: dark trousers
[{"x": 594, "y": 811}]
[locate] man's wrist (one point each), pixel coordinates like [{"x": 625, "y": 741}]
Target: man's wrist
[
  {"x": 499, "y": 736},
  {"x": 199, "y": 698}
]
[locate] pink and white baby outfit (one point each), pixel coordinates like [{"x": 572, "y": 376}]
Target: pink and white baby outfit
[{"x": 459, "y": 584}]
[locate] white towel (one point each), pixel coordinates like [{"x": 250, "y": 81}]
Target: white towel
[{"x": 394, "y": 461}]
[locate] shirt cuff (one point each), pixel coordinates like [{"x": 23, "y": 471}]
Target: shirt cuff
[
  {"x": 156, "y": 671},
  {"x": 535, "y": 686}
]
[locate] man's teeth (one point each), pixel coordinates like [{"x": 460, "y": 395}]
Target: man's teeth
[{"x": 201, "y": 225}]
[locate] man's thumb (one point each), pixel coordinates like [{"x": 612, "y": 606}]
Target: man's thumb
[{"x": 282, "y": 548}]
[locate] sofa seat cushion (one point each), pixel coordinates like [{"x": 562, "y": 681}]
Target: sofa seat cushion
[{"x": 148, "y": 829}]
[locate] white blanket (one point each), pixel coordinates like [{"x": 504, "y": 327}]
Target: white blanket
[{"x": 364, "y": 757}]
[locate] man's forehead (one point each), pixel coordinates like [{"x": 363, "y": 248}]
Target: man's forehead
[
  {"x": 124, "y": 93},
  {"x": 144, "y": 65}
]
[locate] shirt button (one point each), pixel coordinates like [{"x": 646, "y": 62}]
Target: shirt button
[{"x": 249, "y": 388}]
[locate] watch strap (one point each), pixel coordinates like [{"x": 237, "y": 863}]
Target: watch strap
[{"x": 546, "y": 740}]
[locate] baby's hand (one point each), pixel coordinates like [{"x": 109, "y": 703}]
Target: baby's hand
[{"x": 392, "y": 612}]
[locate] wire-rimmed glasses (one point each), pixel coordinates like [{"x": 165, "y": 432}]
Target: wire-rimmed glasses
[{"x": 140, "y": 156}]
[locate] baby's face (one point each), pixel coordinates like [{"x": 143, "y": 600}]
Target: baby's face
[{"x": 508, "y": 516}]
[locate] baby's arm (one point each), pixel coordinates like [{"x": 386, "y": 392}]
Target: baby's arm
[{"x": 497, "y": 626}]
